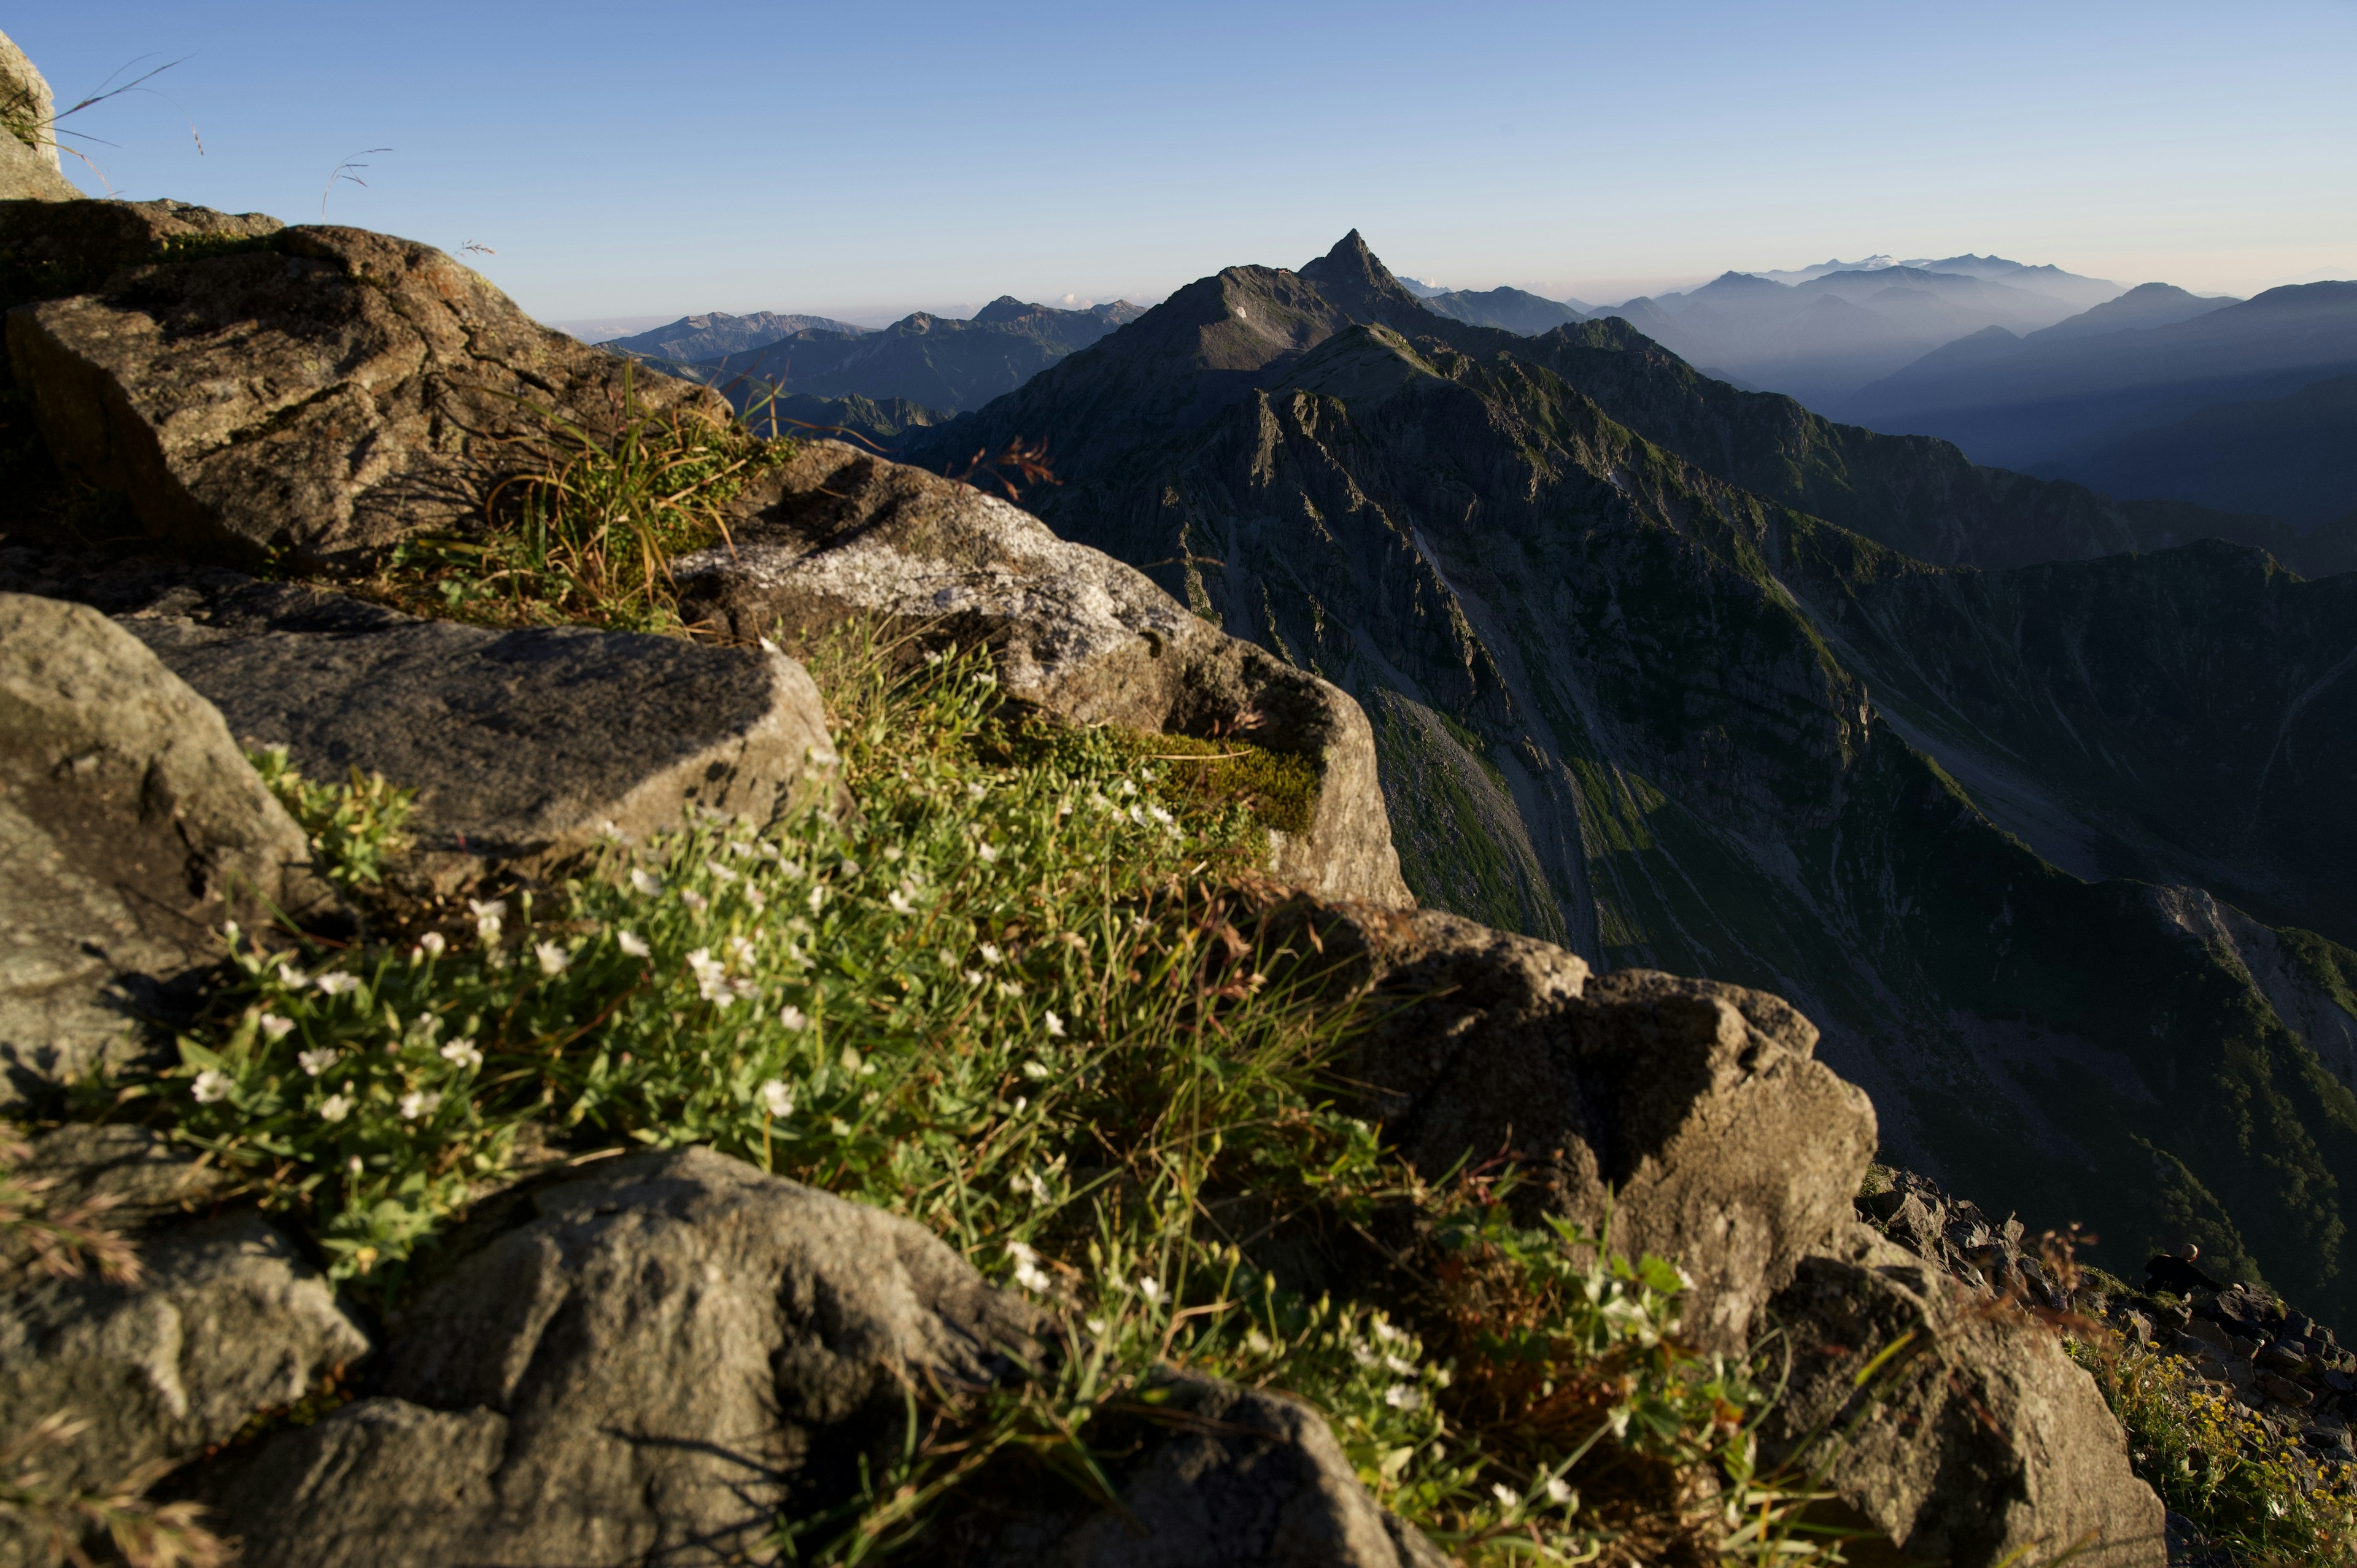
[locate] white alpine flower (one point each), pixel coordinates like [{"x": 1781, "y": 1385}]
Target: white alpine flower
[
  {"x": 210, "y": 1086},
  {"x": 898, "y": 901},
  {"x": 1150, "y": 1288},
  {"x": 462, "y": 1053},
  {"x": 1027, "y": 1272},
  {"x": 314, "y": 1063},
  {"x": 273, "y": 1026},
  {"x": 336, "y": 982},
  {"x": 794, "y": 1018},
  {"x": 335, "y": 1108},
  {"x": 1507, "y": 1497},
  {"x": 632, "y": 943},
  {"x": 777, "y": 1099},
  {"x": 432, "y": 944},
  {"x": 990, "y": 953},
  {"x": 1055, "y": 1026},
  {"x": 552, "y": 957},
  {"x": 489, "y": 914},
  {"x": 420, "y": 1102},
  {"x": 645, "y": 882},
  {"x": 1404, "y": 1396},
  {"x": 1558, "y": 1490},
  {"x": 1036, "y": 1071}
]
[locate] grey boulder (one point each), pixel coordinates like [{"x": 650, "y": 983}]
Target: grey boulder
[
  {"x": 527, "y": 747},
  {"x": 1690, "y": 1113},
  {"x": 1978, "y": 1443},
  {"x": 836, "y": 533},
  {"x": 659, "y": 1359},
  {"x": 336, "y": 390},
  {"x": 227, "y": 1321},
  {"x": 131, "y": 828},
  {"x": 52, "y": 249}
]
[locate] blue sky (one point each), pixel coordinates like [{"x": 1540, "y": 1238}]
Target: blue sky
[{"x": 863, "y": 160}]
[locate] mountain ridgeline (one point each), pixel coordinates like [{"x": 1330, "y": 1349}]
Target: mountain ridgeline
[{"x": 2050, "y": 835}]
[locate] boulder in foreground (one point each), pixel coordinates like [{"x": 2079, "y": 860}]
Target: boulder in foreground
[
  {"x": 667, "y": 1354},
  {"x": 131, "y": 827}
]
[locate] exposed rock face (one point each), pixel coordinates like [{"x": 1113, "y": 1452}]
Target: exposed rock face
[
  {"x": 49, "y": 250},
  {"x": 342, "y": 389},
  {"x": 227, "y": 1319},
  {"x": 837, "y": 532},
  {"x": 526, "y": 747},
  {"x": 29, "y": 153},
  {"x": 669, "y": 1352},
  {"x": 1979, "y": 1443},
  {"x": 1250, "y": 1477},
  {"x": 1688, "y": 1109},
  {"x": 131, "y": 827}
]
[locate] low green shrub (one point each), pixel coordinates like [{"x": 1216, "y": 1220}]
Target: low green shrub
[{"x": 356, "y": 830}]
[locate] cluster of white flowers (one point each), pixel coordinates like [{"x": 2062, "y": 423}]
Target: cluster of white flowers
[
  {"x": 491, "y": 917},
  {"x": 1027, "y": 1272},
  {"x": 715, "y": 983}
]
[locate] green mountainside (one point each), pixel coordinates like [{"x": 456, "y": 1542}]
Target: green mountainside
[{"x": 1634, "y": 693}]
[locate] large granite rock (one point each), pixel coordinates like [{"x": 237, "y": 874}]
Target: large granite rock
[
  {"x": 666, "y": 1356},
  {"x": 836, "y": 532},
  {"x": 29, "y": 151},
  {"x": 340, "y": 390},
  {"x": 527, "y": 747},
  {"x": 228, "y": 1319},
  {"x": 1690, "y": 1113},
  {"x": 131, "y": 827},
  {"x": 1978, "y": 1443}
]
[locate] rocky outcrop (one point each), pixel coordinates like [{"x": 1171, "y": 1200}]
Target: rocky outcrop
[
  {"x": 338, "y": 390},
  {"x": 1976, "y": 1443},
  {"x": 836, "y": 532},
  {"x": 526, "y": 747},
  {"x": 665, "y": 1356},
  {"x": 28, "y": 151},
  {"x": 1688, "y": 1112},
  {"x": 131, "y": 827},
  {"x": 227, "y": 1319}
]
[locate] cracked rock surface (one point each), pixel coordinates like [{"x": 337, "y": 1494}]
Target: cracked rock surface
[{"x": 336, "y": 389}]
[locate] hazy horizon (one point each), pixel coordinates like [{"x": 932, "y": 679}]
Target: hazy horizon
[{"x": 619, "y": 164}]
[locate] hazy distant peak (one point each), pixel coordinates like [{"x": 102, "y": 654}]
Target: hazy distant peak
[{"x": 1006, "y": 307}]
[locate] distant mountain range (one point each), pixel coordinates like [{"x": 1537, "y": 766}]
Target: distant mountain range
[
  {"x": 1825, "y": 337},
  {"x": 1510, "y": 309},
  {"x": 938, "y": 364},
  {"x": 2055, "y": 846},
  {"x": 709, "y": 337},
  {"x": 2042, "y": 398}
]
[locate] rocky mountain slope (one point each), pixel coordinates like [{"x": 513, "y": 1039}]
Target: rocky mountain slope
[
  {"x": 1626, "y": 700},
  {"x": 580, "y": 1188}
]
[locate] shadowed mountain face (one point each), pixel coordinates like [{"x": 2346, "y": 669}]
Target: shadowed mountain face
[
  {"x": 1635, "y": 693},
  {"x": 2293, "y": 457},
  {"x": 934, "y": 361},
  {"x": 2053, "y": 394}
]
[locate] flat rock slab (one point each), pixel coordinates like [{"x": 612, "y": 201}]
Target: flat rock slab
[
  {"x": 526, "y": 747},
  {"x": 335, "y": 390},
  {"x": 836, "y": 533},
  {"x": 131, "y": 827}
]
